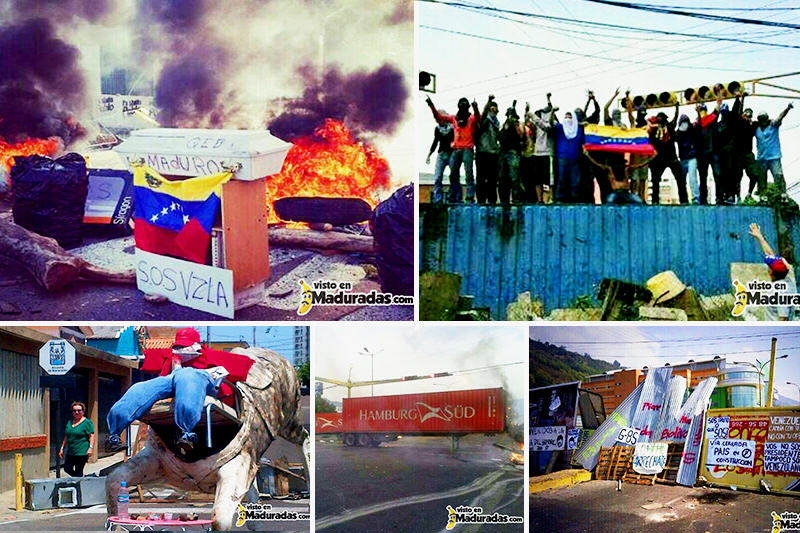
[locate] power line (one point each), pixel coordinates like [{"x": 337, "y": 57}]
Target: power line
[
  {"x": 592, "y": 56},
  {"x": 670, "y": 341},
  {"x": 705, "y": 8},
  {"x": 706, "y": 16},
  {"x": 609, "y": 25}
]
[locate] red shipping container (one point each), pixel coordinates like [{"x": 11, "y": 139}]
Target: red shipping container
[
  {"x": 464, "y": 411},
  {"x": 328, "y": 422}
]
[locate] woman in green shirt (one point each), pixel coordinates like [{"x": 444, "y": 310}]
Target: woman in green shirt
[{"x": 78, "y": 441}]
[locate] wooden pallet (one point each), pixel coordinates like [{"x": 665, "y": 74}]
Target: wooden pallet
[
  {"x": 669, "y": 475},
  {"x": 614, "y": 462}
]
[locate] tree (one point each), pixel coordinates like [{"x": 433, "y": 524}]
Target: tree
[
  {"x": 321, "y": 405},
  {"x": 304, "y": 375}
]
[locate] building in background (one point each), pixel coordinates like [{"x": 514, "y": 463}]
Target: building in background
[
  {"x": 36, "y": 417},
  {"x": 301, "y": 345}
]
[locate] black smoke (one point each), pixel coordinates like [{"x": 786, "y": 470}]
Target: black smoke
[
  {"x": 367, "y": 101},
  {"x": 41, "y": 83},
  {"x": 189, "y": 89},
  {"x": 62, "y": 10},
  {"x": 176, "y": 15}
]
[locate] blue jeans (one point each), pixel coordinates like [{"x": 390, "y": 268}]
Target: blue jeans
[
  {"x": 442, "y": 162},
  {"x": 569, "y": 180},
  {"x": 689, "y": 167},
  {"x": 466, "y": 156},
  {"x": 774, "y": 166},
  {"x": 189, "y": 387}
]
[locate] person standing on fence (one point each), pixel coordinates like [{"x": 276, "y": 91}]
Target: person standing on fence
[
  {"x": 662, "y": 137},
  {"x": 443, "y": 136},
  {"x": 511, "y": 139},
  {"x": 527, "y": 170},
  {"x": 487, "y": 158},
  {"x": 686, "y": 136},
  {"x": 724, "y": 142},
  {"x": 464, "y": 126},
  {"x": 769, "y": 146},
  {"x": 706, "y": 123},
  {"x": 744, "y": 161},
  {"x": 569, "y": 138}
]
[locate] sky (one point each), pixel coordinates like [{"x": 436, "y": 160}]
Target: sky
[
  {"x": 420, "y": 350},
  {"x": 644, "y": 62},
  {"x": 636, "y": 346},
  {"x": 276, "y": 338}
]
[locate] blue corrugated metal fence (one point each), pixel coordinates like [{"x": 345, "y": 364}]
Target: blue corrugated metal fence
[{"x": 559, "y": 252}]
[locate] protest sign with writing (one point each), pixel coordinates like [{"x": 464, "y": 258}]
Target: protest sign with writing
[
  {"x": 731, "y": 452},
  {"x": 650, "y": 457}
]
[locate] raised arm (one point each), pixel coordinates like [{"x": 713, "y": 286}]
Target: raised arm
[
  {"x": 738, "y": 105},
  {"x": 674, "y": 122},
  {"x": 606, "y": 115},
  {"x": 476, "y": 111},
  {"x": 488, "y": 103},
  {"x": 433, "y": 146},
  {"x": 629, "y": 108},
  {"x": 780, "y": 118},
  {"x": 436, "y": 115},
  {"x": 755, "y": 231}
]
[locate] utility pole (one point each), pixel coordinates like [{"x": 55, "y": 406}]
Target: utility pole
[{"x": 771, "y": 382}]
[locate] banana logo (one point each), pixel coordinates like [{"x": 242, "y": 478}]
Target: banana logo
[
  {"x": 305, "y": 303},
  {"x": 776, "y": 523},
  {"x": 452, "y": 518},
  {"x": 240, "y": 520},
  {"x": 741, "y": 298}
]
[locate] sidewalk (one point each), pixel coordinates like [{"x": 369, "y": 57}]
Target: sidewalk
[{"x": 8, "y": 512}]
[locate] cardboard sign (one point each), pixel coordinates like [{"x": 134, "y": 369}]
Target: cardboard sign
[
  {"x": 782, "y": 457},
  {"x": 201, "y": 287},
  {"x": 628, "y": 436},
  {"x": 548, "y": 438},
  {"x": 650, "y": 457},
  {"x": 573, "y": 434},
  {"x": 784, "y": 428},
  {"x": 57, "y": 357},
  {"x": 731, "y": 452},
  {"x": 717, "y": 427}
]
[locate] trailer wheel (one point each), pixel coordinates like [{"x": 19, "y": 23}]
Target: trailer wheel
[
  {"x": 364, "y": 440},
  {"x": 349, "y": 440}
]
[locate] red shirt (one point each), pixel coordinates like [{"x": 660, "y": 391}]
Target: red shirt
[
  {"x": 464, "y": 136},
  {"x": 160, "y": 361}
]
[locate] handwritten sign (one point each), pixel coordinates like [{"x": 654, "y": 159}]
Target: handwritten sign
[
  {"x": 784, "y": 428},
  {"x": 650, "y": 457},
  {"x": 731, "y": 452},
  {"x": 717, "y": 427},
  {"x": 197, "y": 286},
  {"x": 548, "y": 438},
  {"x": 573, "y": 434},
  {"x": 782, "y": 457},
  {"x": 628, "y": 436}
]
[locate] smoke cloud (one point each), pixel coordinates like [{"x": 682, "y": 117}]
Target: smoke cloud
[
  {"x": 366, "y": 101},
  {"x": 63, "y": 10},
  {"x": 41, "y": 83}
]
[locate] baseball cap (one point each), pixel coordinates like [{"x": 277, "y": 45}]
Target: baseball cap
[
  {"x": 186, "y": 337},
  {"x": 776, "y": 264}
]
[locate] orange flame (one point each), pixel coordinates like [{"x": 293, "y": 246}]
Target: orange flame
[
  {"x": 330, "y": 163},
  {"x": 31, "y": 146}
]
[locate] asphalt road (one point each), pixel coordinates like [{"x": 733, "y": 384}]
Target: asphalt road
[
  {"x": 598, "y": 506},
  {"x": 94, "y": 518},
  {"x": 407, "y": 485}
]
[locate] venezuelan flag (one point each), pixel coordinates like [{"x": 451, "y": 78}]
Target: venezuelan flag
[
  {"x": 175, "y": 217},
  {"x": 620, "y": 140}
]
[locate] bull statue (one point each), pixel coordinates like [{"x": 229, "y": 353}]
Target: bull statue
[{"x": 269, "y": 405}]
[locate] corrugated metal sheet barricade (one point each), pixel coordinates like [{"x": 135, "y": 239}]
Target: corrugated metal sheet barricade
[
  {"x": 743, "y": 447},
  {"x": 651, "y": 401},
  {"x": 560, "y": 252}
]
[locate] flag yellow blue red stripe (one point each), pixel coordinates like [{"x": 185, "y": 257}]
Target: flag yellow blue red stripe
[{"x": 614, "y": 139}]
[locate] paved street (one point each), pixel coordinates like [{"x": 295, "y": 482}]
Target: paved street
[
  {"x": 598, "y": 506},
  {"x": 411, "y": 481}
]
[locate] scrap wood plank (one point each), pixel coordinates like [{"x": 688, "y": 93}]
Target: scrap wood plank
[
  {"x": 614, "y": 462},
  {"x": 669, "y": 475}
]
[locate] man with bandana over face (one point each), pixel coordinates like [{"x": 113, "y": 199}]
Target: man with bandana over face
[
  {"x": 744, "y": 161},
  {"x": 769, "y": 146},
  {"x": 464, "y": 126},
  {"x": 662, "y": 137},
  {"x": 443, "y": 136},
  {"x": 511, "y": 139},
  {"x": 706, "y": 123},
  {"x": 487, "y": 158},
  {"x": 724, "y": 151},
  {"x": 686, "y": 135}
]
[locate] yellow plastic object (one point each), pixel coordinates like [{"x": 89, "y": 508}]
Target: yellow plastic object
[{"x": 665, "y": 286}]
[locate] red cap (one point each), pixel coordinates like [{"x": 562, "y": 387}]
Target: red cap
[{"x": 186, "y": 337}]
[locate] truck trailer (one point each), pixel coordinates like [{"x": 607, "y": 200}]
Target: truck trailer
[{"x": 370, "y": 420}]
